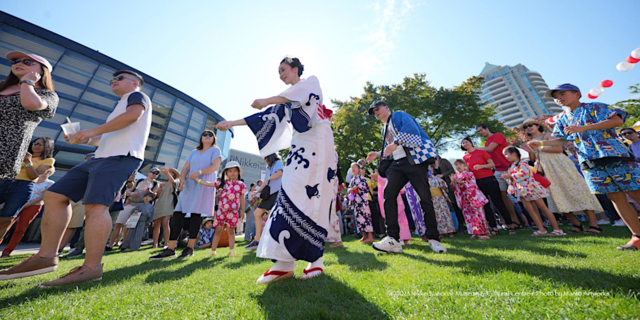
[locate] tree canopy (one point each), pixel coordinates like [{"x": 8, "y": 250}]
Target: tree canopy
[
  {"x": 632, "y": 106},
  {"x": 445, "y": 114}
]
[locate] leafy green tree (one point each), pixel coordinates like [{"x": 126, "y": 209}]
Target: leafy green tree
[
  {"x": 445, "y": 114},
  {"x": 632, "y": 106}
]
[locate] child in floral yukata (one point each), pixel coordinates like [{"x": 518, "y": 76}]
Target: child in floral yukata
[
  {"x": 523, "y": 186},
  {"x": 439, "y": 196},
  {"x": 471, "y": 200},
  {"x": 230, "y": 206},
  {"x": 360, "y": 206}
]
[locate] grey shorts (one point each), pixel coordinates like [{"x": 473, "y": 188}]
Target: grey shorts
[{"x": 504, "y": 185}]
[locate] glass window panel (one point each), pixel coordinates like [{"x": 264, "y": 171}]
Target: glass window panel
[
  {"x": 162, "y": 98},
  {"x": 67, "y": 89},
  {"x": 14, "y": 39},
  {"x": 170, "y": 149},
  {"x": 148, "y": 89},
  {"x": 193, "y": 134},
  {"x": 181, "y": 112},
  {"x": 197, "y": 119},
  {"x": 42, "y": 131},
  {"x": 87, "y": 113},
  {"x": 189, "y": 145},
  {"x": 75, "y": 68}
]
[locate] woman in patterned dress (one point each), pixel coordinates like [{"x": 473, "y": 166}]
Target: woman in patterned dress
[
  {"x": 297, "y": 226},
  {"x": 359, "y": 189},
  {"x": 471, "y": 200},
  {"x": 526, "y": 189},
  {"x": 569, "y": 192}
]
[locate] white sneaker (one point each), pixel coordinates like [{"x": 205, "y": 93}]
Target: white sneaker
[
  {"x": 436, "y": 246},
  {"x": 603, "y": 221},
  {"x": 619, "y": 223},
  {"x": 388, "y": 244}
]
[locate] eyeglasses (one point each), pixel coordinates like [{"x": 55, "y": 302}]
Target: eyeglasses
[
  {"x": 528, "y": 126},
  {"x": 627, "y": 133},
  {"x": 26, "y": 62},
  {"x": 154, "y": 172},
  {"x": 207, "y": 134},
  {"x": 119, "y": 78},
  {"x": 39, "y": 144}
]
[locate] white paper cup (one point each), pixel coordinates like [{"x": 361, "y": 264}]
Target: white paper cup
[{"x": 70, "y": 128}]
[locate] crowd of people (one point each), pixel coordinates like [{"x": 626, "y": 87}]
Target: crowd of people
[{"x": 303, "y": 202}]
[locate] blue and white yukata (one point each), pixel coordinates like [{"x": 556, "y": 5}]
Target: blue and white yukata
[{"x": 297, "y": 226}]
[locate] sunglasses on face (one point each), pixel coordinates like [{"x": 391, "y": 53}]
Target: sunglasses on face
[
  {"x": 154, "y": 172},
  {"x": 528, "y": 126},
  {"x": 207, "y": 134},
  {"x": 26, "y": 62},
  {"x": 627, "y": 133},
  {"x": 39, "y": 144},
  {"x": 119, "y": 78}
]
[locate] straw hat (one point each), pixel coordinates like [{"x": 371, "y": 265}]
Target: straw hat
[
  {"x": 174, "y": 172},
  {"x": 532, "y": 120},
  {"x": 205, "y": 222}
]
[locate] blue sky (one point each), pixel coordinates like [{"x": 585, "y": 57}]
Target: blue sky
[{"x": 226, "y": 54}]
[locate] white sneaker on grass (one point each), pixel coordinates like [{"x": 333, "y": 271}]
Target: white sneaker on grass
[
  {"x": 388, "y": 244},
  {"x": 619, "y": 223},
  {"x": 436, "y": 246},
  {"x": 603, "y": 222}
]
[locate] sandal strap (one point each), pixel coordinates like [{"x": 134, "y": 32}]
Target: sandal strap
[
  {"x": 305, "y": 271},
  {"x": 275, "y": 273}
]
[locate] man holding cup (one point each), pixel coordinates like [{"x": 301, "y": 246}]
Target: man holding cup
[{"x": 121, "y": 142}]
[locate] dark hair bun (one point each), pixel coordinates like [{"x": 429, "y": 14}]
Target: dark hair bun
[{"x": 294, "y": 62}]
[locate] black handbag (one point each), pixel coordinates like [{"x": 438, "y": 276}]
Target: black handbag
[
  {"x": 266, "y": 192},
  {"x": 385, "y": 162}
]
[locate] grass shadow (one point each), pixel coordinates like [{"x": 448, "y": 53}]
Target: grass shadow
[
  {"x": 588, "y": 279},
  {"x": 247, "y": 258},
  {"x": 357, "y": 261},
  {"x": 319, "y": 298},
  {"x": 184, "y": 271}
]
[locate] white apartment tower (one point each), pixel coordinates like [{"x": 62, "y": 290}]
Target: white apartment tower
[{"x": 517, "y": 93}]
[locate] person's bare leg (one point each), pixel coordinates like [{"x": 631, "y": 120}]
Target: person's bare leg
[
  {"x": 156, "y": 231},
  {"x": 535, "y": 217},
  {"x": 66, "y": 237},
  {"x": 625, "y": 210},
  {"x": 593, "y": 221},
  {"x": 115, "y": 235},
  {"x": 258, "y": 221},
  {"x": 232, "y": 239},
  {"x": 216, "y": 238},
  {"x": 56, "y": 217},
  {"x": 512, "y": 211},
  {"x": 166, "y": 229},
  {"x": 547, "y": 213},
  {"x": 98, "y": 226}
]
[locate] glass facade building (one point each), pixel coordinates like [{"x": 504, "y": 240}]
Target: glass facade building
[
  {"x": 517, "y": 93},
  {"x": 81, "y": 78}
]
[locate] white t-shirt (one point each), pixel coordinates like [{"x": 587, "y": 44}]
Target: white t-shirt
[
  {"x": 390, "y": 136},
  {"x": 131, "y": 140}
]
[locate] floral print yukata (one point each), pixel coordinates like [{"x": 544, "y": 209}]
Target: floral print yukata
[
  {"x": 360, "y": 205},
  {"x": 471, "y": 200}
]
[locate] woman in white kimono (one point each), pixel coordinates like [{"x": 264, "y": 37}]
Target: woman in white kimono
[{"x": 297, "y": 226}]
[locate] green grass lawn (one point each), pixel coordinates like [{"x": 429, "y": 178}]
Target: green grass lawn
[{"x": 577, "y": 276}]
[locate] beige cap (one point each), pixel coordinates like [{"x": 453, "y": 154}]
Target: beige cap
[{"x": 17, "y": 54}]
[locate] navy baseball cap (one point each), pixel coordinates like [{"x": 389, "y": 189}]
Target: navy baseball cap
[
  {"x": 374, "y": 104},
  {"x": 561, "y": 87}
]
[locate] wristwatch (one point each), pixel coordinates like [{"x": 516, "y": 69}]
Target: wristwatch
[{"x": 29, "y": 82}]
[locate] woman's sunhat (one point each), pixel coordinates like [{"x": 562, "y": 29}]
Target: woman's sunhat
[
  {"x": 232, "y": 164},
  {"x": 17, "y": 54}
]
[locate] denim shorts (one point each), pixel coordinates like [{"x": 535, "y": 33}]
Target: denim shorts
[
  {"x": 619, "y": 176},
  {"x": 14, "y": 194},
  {"x": 97, "y": 180}
]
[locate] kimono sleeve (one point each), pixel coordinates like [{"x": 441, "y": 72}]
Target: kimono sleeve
[
  {"x": 305, "y": 92},
  {"x": 271, "y": 128}
]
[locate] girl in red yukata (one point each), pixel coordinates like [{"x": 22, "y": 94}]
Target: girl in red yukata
[{"x": 232, "y": 191}]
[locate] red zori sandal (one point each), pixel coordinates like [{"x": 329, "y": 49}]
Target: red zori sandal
[{"x": 271, "y": 276}]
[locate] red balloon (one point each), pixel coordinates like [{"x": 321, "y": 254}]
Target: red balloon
[
  {"x": 591, "y": 96},
  {"x": 606, "y": 83},
  {"x": 631, "y": 59}
]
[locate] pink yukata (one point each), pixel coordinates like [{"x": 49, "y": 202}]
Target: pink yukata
[
  {"x": 471, "y": 200},
  {"x": 229, "y": 204},
  {"x": 405, "y": 233}
]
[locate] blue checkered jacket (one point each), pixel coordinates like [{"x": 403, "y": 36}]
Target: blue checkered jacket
[{"x": 409, "y": 133}]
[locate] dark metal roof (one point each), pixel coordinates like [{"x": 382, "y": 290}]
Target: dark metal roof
[{"x": 102, "y": 58}]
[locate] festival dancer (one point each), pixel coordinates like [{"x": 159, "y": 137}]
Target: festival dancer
[{"x": 297, "y": 226}]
